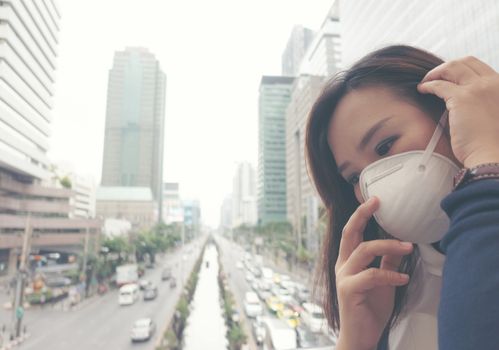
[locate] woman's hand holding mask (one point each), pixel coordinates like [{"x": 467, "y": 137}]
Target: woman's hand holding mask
[{"x": 470, "y": 89}]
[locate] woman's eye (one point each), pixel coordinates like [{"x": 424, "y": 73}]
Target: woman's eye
[
  {"x": 384, "y": 147},
  {"x": 353, "y": 180}
]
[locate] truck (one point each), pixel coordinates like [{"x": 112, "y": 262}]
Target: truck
[{"x": 126, "y": 274}]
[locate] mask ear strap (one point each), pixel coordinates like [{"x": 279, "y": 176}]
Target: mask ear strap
[{"x": 435, "y": 138}]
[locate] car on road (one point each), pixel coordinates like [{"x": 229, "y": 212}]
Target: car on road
[
  {"x": 249, "y": 277},
  {"x": 142, "y": 329},
  {"x": 267, "y": 274},
  {"x": 274, "y": 304},
  {"x": 278, "y": 335},
  {"x": 290, "y": 316},
  {"x": 128, "y": 294},
  {"x": 150, "y": 293},
  {"x": 255, "y": 285},
  {"x": 173, "y": 282},
  {"x": 256, "y": 272},
  {"x": 314, "y": 318},
  {"x": 239, "y": 265},
  {"x": 265, "y": 285},
  {"x": 252, "y": 305},
  {"x": 264, "y": 294},
  {"x": 306, "y": 339},
  {"x": 288, "y": 284},
  {"x": 258, "y": 330},
  {"x": 143, "y": 284},
  {"x": 166, "y": 274},
  {"x": 302, "y": 293},
  {"x": 283, "y": 294}
]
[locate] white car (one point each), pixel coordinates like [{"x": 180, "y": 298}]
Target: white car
[
  {"x": 314, "y": 318},
  {"x": 142, "y": 329},
  {"x": 128, "y": 294},
  {"x": 289, "y": 285},
  {"x": 279, "y": 334},
  {"x": 252, "y": 305},
  {"x": 249, "y": 276},
  {"x": 267, "y": 274},
  {"x": 283, "y": 294},
  {"x": 143, "y": 284},
  {"x": 239, "y": 265},
  {"x": 258, "y": 329},
  {"x": 255, "y": 285}
]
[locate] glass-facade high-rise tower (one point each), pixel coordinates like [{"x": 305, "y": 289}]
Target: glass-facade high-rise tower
[
  {"x": 274, "y": 98},
  {"x": 133, "y": 144}
]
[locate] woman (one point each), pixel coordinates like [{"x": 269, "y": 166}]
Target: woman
[{"x": 379, "y": 143}]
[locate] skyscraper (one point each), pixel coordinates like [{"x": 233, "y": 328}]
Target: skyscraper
[
  {"x": 321, "y": 61},
  {"x": 28, "y": 47},
  {"x": 324, "y": 54},
  {"x": 271, "y": 183},
  {"x": 173, "y": 211},
  {"x": 192, "y": 217},
  {"x": 296, "y": 48},
  {"x": 300, "y": 194},
  {"x": 133, "y": 143},
  {"x": 244, "y": 195},
  {"x": 32, "y": 199}
]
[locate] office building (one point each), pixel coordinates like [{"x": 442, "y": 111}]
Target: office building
[{"x": 274, "y": 97}]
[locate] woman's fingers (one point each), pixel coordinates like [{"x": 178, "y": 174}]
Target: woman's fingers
[
  {"x": 455, "y": 71},
  {"x": 353, "y": 231},
  {"x": 372, "y": 278},
  {"x": 478, "y": 66},
  {"x": 365, "y": 253},
  {"x": 391, "y": 262},
  {"x": 441, "y": 88}
]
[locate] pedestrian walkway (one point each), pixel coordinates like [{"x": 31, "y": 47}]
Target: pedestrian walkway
[
  {"x": 206, "y": 327},
  {"x": 8, "y": 345}
]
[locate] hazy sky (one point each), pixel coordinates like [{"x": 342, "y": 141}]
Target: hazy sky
[{"x": 213, "y": 52}]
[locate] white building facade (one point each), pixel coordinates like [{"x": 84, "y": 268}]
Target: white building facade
[
  {"x": 29, "y": 31},
  {"x": 450, "y": 29},
  {"x": 244, "y": 207}
]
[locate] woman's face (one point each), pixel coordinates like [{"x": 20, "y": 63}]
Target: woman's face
[{"x": 372, "y": 123}]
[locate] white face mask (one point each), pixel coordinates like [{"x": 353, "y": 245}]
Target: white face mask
[{"x": 410, "y": 187}]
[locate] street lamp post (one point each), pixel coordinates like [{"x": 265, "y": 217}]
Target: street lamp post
[
  {"x": 17, "y": 310},
  {"x": 182, "y": 254}
]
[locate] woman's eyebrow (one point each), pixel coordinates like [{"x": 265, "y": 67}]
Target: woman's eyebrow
[
  {"x": 365, "y": 140},
  {"x": 371, "y": 132}
]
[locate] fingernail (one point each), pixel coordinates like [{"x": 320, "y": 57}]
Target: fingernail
[
  {"x": 403, "y": 276},
  {"x": 406, "y": 244}
]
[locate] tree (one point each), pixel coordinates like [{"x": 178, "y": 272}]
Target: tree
[
  {"x": 118, "y": 245},
  {"x": 157, "y": 239},
  {"x": 65, "y": 182}
]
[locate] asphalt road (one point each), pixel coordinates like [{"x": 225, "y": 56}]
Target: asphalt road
[
  {"x": 99, "y": 322},
  {"x": 231, "y": 254}
]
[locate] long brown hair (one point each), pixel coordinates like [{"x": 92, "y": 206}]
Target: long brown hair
[{"x": 399, "y": 68}]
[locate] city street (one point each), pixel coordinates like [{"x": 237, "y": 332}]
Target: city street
[
  {"x": 232, "y": 253},
  {"x": 99, "y": 322}
]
